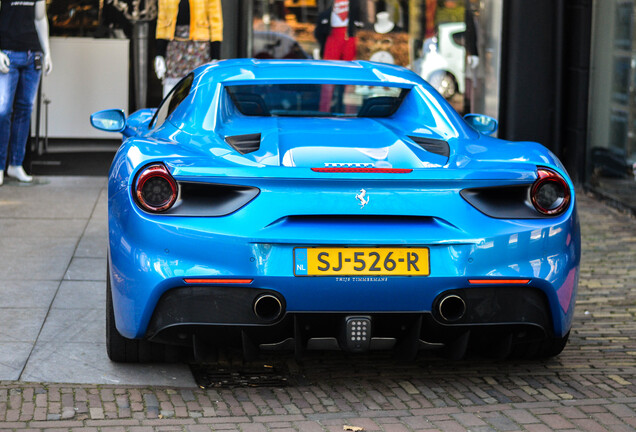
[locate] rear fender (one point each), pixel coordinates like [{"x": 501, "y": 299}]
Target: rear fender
[{"x": 138, "y": 123}]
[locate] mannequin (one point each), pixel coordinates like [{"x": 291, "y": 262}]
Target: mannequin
[
  {"x": 189, "y": 34},
  {"x": 383, "y": 23},
  {"x": 24, "y": 41},
  {"x": 336, "y": 30}
]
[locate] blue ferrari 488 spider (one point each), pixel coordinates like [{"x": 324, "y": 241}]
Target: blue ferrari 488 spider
[{"x": 299, "y": 205}]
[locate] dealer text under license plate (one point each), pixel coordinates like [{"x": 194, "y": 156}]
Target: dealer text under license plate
[{"x": 361, "y": 261}]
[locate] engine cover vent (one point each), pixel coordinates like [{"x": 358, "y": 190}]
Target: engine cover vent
[
  {"x": 244, "y": 143},
  {"x": 436, "y": 146}
]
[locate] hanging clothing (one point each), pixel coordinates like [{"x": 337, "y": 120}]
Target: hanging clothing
[
  {"x": 339, "y": 46},
  {"x": 189, "y": 34},
  {"x": 184, "y": 55},
  {"x": 206, "y": 20}
]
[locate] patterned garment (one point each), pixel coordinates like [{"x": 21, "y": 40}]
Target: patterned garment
[{"x": 183, "y": 55}]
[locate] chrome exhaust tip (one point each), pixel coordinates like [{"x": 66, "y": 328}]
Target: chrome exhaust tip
[
  {"x": 268, "y": 307},
  {"x": 451, "y": 308}
]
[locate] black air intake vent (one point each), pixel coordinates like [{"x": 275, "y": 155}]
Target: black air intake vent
[
  {"x": 436, "y": 146},
  {"x": 244, "y": 143}
]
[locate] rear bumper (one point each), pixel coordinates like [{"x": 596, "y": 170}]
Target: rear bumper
[{"x": 230, "y": 316}]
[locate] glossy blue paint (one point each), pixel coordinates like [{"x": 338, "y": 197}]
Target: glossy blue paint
[
  {"x": 482, "y": 123},
  {"x": 150, "y": 254}
]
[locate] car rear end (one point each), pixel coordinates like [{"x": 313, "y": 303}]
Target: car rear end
[
  {"x": 349, "y": 208},
  {"x": 351, "y": 259}
]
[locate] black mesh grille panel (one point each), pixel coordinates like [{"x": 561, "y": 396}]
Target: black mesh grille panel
[
  {"x": 436, "y": 146},
  {"x": 244, "y": 143}
]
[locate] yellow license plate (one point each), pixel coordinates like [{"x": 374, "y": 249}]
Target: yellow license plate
[{"x": 340, "y": 261}]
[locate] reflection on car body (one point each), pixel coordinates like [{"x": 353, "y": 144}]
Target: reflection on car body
[
  {"x": 442, "y": 63},
  {"x": 274, "y": 45}
]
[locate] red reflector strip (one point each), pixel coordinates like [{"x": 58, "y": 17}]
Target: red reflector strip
[
  {"x": 498, "y": 281},
  {"x": 218, "y": 281},
  {"x": 364, "y": 170}
]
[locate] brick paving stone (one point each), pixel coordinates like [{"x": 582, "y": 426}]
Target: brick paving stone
[
  {"x": 621, "y": 410},
  {"x": 590, "y": 425},
  {"x": 181, "y": 411},
  {"x": 395, "y": 427},
  {"x": 450, "y": 426},
  {"x": 218, "y": 420},
  {"x": 192, "y": 428},
  {"x": 253, "y": 427},
  {"x": 113, "y": 429},
  {"x": 308, "y": 426},
  {"x": 556, "y": 421},
  {"x": 501, "y": 423},
  {"x": 12, "y": 415},
  {"x": 468, "y": 420},
  {"x": 539, "y": 428},
  {"x": 622, "y": 428}
]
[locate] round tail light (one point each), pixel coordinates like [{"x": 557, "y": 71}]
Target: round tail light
[
  {"x": 550, "y": 193},
  {"x": 155, "y": 190}
]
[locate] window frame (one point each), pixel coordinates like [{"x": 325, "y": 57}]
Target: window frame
[{"x": 232, "y": 93}]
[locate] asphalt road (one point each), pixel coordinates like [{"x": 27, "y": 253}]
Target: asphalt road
[{"x": 54, "y": 373}]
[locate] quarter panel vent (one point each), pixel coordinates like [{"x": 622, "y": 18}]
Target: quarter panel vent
[
  {"x": 244, "y": 143},
  {"x": 436, "y": 146}
]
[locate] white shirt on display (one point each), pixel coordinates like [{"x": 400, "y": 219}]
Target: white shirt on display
[{"x": 340, "y": 13}]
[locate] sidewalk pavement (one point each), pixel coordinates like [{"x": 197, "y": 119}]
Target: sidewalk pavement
[
  {"x": 55, "y": 377},
  {"x": 52, "y": 286}
]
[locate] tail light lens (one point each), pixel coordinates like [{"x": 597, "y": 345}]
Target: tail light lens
[
  {"x": 155, "y": 189},
  {"x": 550, "y": 193}
]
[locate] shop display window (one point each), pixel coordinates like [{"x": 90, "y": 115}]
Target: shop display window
[
  {"x": 86, "y": 18},
  {"x": 611, "y": 168},
  {"x": 427, "y": 36}
]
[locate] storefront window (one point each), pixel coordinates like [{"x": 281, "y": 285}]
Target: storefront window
[
  {"x": 612, "y": 134},
  {"x": 86, "y": 18},
  {"x": 428, "y": 36},
  {"x": 89, "y": 47}
]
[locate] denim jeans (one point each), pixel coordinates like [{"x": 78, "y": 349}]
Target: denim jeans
[{"x": 18, "y": 89}]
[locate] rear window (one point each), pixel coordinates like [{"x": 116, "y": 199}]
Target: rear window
[{"x": 316, "y": 100}]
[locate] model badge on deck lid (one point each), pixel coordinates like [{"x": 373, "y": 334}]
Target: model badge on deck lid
[{"x": 348, "y": 165}]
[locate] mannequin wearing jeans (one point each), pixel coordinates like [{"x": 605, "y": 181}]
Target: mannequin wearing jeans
[{"x": 24, "y": 45}]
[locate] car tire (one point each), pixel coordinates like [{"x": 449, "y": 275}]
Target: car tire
[
  {"x": 123, "y": 350},
  {"x": 444, "y": 83}
]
